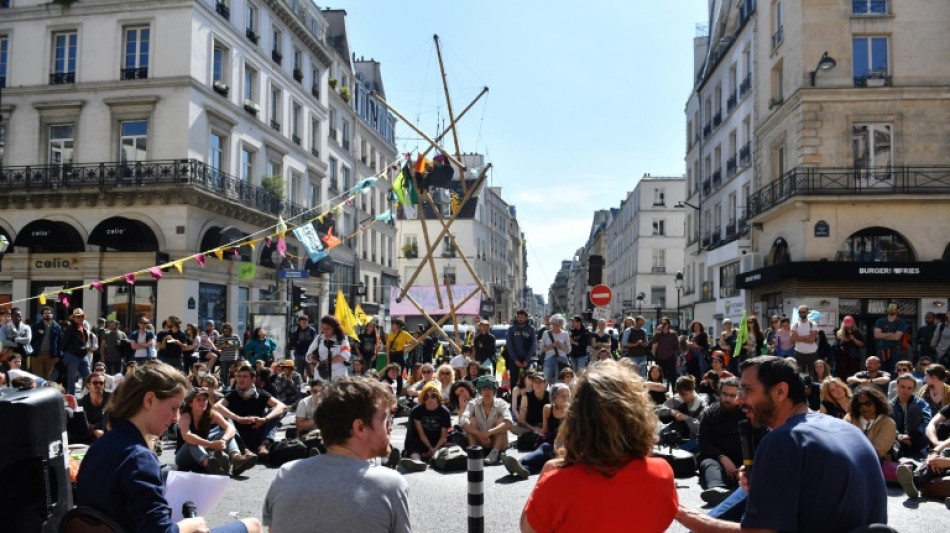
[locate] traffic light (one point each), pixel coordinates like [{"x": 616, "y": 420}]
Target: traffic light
[{"x": 298, "y": 297}]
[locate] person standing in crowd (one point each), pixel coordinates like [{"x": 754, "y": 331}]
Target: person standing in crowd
[
  {"x": 912, "y": 415},
  {"x": 229, "y": 347},
  {"x": 604, "y": 462},
  {"x": 121, "y": 476},
  {"x": 775, "y": 323},
  {"x": 111, "y": 347},
  {"x": 924, "y": 334},
  {"x": 173, "y": 344},
  {"x": 483, "y": 344},
  {"x": 300, "y": 340},
  {"x": 851, "y": 344},
  {"x": 330, "y": 350},
  {"x": 142, "y": 341},
  {"x": 728, "y": 338},
  {"x": 697, "y": 360},
  {"x": 208, "y": 351},
  {"x": 338, "y": 490},
  {"x": 248, "y": 407},
  {"x": 580, "y": 344},
  {"x": 720, "y": 453},
  {"x": 17, "y": 336},
  {"x": 805, "y": 337},
  {"x": 521, "y": 343},
  {"x": 940, "y": 342},
  {"x": 369, "y": 345},
  {"x": 47, "y": 344},
  {"x": 802, "y": 466},
  {"x": 889, "y": 333},
  {"x": 260, "y": 348},
  {"x": 398, "y": 342},
  {"x": 600, "y": 338},
  {"x": 555, "y": 345},
  {"x": 75, "y": 347},
  {"x": 634, "y": 341},
  {"x": 665, "y": 347}
]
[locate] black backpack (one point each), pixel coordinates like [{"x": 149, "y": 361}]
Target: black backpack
[
  {"x": 284, "y": 451},
  {"x": 450, "y": 459}
]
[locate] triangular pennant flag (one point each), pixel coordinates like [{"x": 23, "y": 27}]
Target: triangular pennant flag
[
  {"x": 236, "y": 253},
  {"x": 364, "y": 185},
  {"x": 349, "y": 202},
  {"x": 247, "y": 270},
  {"x": 97, "y": 285},
  {"x": 320, "y": 219},
  {"x": 266, "y": 242},
  {"x": 155, "y": 272},
  {"x": 179, "y": 265},
  {"x": 421, "y": 164},
  {"x": 200, "y": 259},
  {"x": 219, "y": 253},
  {"x": 129, "y": 278},
  {"x": 64, "y": 298},
  {"x": 281, "y": 226},
  {"x": 330, "y": 240},
  {"x": 253, "y": 247},
  {"x": 42, "y": 299}
]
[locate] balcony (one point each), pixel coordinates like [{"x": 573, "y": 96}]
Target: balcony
[
  {"x": 707, "y": 129},
  {"x": 298, "y": 75},
  {"x": 850, "y": 182},
  {"x": 220, "y": 88},
  {"x": 746, "y": 85},
  {"x": 868, "y": 7},
  {"x": 62, "y": 78},
  {"x": 691, "y": 239},
  {"x": 314, "y": 152},
  {"x": 332, "y": 134},
  {"x": 777, "y": 38},
  {"x": 275, "y": 125},
  {"x": 346, "y": 144},
  {"x": 717, "y": 119},
  {"x": 717, "y": 178},
  {"x": 276, "y": 56},
  {"x": 705, "y": 241},
  {"x": 877, "y": 79},
  {"x": 111, "y": 177},
  {"x": 745, "y": 154},
  {"x": 658, "y": 270},
  {"x": 731, "y": 167},
  {"x": 252, "y": 36},
  {"x": 731, "y": 229},
  {"x": 731, "y": 102},
  {"x": 315, "y": 91},
  {"x": 140, "y": 73},
  {"x": 707, "y": 187},
  {"x": 295, "y": 139},
  {"x": 221, "y": 7}
]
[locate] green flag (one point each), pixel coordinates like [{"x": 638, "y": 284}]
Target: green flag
[
  {"x": 247, "y": 270},
  {"x": 403, "y": 188},
  {"x": 742, "y": 336}
]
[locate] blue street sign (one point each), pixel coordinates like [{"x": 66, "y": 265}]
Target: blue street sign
[{"x": 293, "y": 274}]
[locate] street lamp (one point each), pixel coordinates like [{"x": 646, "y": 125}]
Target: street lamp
[
  {"x": 825, "y": 63},
  {"x": 679, "y": 290},
  {"x": 640, "y": 297}
]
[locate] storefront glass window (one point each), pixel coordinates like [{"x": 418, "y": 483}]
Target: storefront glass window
[
  {"x": 60, "y": 312},
  {"x": 212, "y": 303},
  {"x": 879, "y": 245},
  {"x": 6, "y": 293},
  {"x": 243, "y": 321},
  {"x": 126, "y": 303}
]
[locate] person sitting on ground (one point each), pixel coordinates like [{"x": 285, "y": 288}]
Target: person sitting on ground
[
  {"x": 264, "y": 380},
  {"x": 460, "y": 362},
  {"x": 213, "y": 386},
  {"x": 720, "y": 451},
  {"x": 872, "y": 376},
  {"x": 444, "y": 375},
  {"x": 392, "y": 376},
  {"x": 522, "y": 387},
  {"x": 429, "y": 424},
  {"x": 554, "y": 414},
  {"x": 415, "y": 374},
  {"x": 487, "y": 420},
  {"x": 566, "y": 376},
  {"x": 358, "y": 368},
  {"x": 94, "y": 403},
  {"x": 938, "y": 430},
  {"x": 460, "y": 394},
  {"x": 902, "y": 367},
  {"x": 288, "y": 383},
  {"x": 473, "y": 371},
  {"x": 870, "y": 413},
  {"x": 709, "y": 386},
  {"x": 932, "y": 479},
  {"x": 604, "y": 462},
  {"x": 717, "y": 364},
  {"x": 531, "y": 406},
  {"x": 427, "y": 371},
  {"x": 100, "y": 367},
  {"x": 198, "y": 371},
  {"x": 682, "y": 412},
  {"x": 656, "y": 385},
  {"x": 260, "y": 347},
  {"x": 207, "y": 440},
  {"x": 304, "y": 422},
  {"x": 936, "y": 392},
  {"x": 121, "y": 477},
  {"x": 248, "y": 408},
  {"x": 835, "y": 398},
  {"x": 911, "y": 414}
]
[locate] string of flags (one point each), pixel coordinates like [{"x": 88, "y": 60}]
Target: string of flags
[{"x": 317, "y": 247}]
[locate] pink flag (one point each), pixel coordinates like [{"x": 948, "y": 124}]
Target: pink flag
[
  {"x": 281, "y": 246},
  {"x": 200, "y": 259},
  {"x": 155, "y": 272},
  {"x": 64, "y": 298},
  {"x": 267, "y": 242},
  {"x": 97, "y": 285},
  {"x": 129, "y": 278}
]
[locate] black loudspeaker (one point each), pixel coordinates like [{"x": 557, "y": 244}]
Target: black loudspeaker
[
  {"x": 35, "y": 491},
  {"x": 595, "y": 270}
]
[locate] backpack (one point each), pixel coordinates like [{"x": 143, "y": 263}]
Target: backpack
[
  {"x": 284, "y": 451},
  {"x": 450, "y": 459},
  {"x": 528, "y": 441}
]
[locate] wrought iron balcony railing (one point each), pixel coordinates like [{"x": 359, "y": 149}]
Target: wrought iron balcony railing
[
  {"x": 222, "y": 8},
  {"x": 112, "y": 176},
  {"x": 132, "y": 73},
  {"x": 746, "y": 85},
  {"x": 745, "y": 154},
  {"x": 875, "y": 181},
  {"x": 62, "y": 78},
  {"x": 731, "y": 102}
]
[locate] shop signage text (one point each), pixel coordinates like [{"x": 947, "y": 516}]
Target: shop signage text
[
  {"x": 884, "y": 270},
  {"x": 58, "y": 262}
]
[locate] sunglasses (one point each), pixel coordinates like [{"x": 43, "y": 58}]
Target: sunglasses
[{"x": 98, "y": 382}]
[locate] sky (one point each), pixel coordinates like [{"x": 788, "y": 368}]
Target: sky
[{"x": 584, "y": 98}]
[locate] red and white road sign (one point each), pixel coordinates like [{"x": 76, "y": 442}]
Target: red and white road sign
[{"x": 600, "y": 295}]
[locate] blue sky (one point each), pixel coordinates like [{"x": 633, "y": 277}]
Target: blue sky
[{"x": 585, "y": 97}]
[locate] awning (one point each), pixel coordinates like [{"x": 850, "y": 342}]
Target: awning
[
  {"x": 846, "y": 271},
  {"x": 49, "y": 236},
  {"x": 124, "y": 235}
]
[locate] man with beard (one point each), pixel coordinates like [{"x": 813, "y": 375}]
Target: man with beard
[
  {"x": 806, "y": 469},
  {"x": 520, "y": 343},
  {"x": 300, "y": 340},
  {"x": 483, "y": 344},
  {"x": 720, "y": 452},
  {"x": 342, "y": 492},
  {"x": 248, "y": 407}
]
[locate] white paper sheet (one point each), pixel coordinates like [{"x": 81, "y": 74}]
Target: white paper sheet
[{"x": 204, "y": 490}]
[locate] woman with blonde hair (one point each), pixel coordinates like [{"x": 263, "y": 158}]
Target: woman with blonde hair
[
  {"x": 604, "y": 461},
  {"x": 835, "y": 397},
  {"x": 444, "y": 378},
  {"x": 429, "y": 424},
  {"x": 851, "y": 344}
]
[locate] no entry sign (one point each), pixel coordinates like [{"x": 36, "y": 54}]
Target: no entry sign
[{"x": 600, "y": 295}]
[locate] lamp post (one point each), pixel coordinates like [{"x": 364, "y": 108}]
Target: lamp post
[
  {"x": 679, "y": 290},
  {"x": 640, "y": 298},
  {"x": 825, "y": 63}
]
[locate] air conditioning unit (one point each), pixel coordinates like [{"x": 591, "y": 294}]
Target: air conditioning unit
[{"x": 751, "y": 262}]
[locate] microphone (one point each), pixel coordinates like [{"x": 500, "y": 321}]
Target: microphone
[
  {"x": 748, "y": 447},
  {"x": 188, "y": 510}
]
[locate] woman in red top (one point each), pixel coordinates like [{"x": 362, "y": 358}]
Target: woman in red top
[{"x": 604, "y": 462}]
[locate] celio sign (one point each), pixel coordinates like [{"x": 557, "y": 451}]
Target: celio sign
[{"x": 56, "y": 263}]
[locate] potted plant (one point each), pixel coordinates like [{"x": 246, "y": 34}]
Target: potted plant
[
  {"x": 410, "y": 250},
  {"x": 64, "y": 5},
  {"x": 220, "y": 87},
  {"x": 273, "y": 185},
  {"x": 345, "y": 94},
  {"x": 251, "y": 107},
  {"x": 298, "y": 74},
  {"x": 332, "y": 81}
]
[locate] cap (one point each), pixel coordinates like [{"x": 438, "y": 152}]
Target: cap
[
  {"x": 486, "y": 382},
  {"x": 209, "y": 321},
  {"x": 286, "y": 363},
  {"x": 483, "y": 321},
  {"x": 727, "y": 321},
  {"x": 78, "y": 312},
  {"x": 719, "y": 355}
]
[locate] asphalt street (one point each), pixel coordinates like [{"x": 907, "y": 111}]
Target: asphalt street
[{"x": 438, "y": 500}]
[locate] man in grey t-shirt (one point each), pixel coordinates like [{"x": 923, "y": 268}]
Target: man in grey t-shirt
[{"x": 341, "y": 491}]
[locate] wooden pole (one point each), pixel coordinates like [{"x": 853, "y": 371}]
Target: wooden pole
[
  {"x": 422, "y": 134},
  {"x": 438, "y": 325},
  {"x": 429, "y": 248},
  {"x": 468, "y": 265},
  {"x": 448, "y": 101},
  {"x": 448, "y": 292}
]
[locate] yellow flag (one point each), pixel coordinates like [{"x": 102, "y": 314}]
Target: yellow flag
[
  {"x": 219, "y": 254},
  {"x": 361, "y": 317},
  {"x": 344, "y": 314},
  {"x": 42, "y": 299},
  {"x": 178, "y": 265}
]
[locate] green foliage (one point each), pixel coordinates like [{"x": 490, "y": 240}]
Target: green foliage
[{"x": 274, "y": 185}]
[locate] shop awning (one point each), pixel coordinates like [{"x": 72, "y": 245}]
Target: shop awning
[
  {"x": 846, "y": 271},
  {"x": 49, "y": 236},
  {"x": 124, "y": 235}
]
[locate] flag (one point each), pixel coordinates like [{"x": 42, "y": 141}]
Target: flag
[
  {"x": 742, "y": 336},
  {"x": 361, "y": 317},
  {"x": 330, "y": 239},
  {"x": 282, "y": 246},
  {"x": 97, "y": 285},
  {"x": 307, "y": 235},
  {"x": 402, "y": 187},
  {"x": 344, "y": 314},
  {"x": 247, "y": 270},
  {"x": 129, "y": 278},
  {"x": 456, "y": 203},
  {"x": 422, "y": 164},
  {"x": 156, "y": 272}
]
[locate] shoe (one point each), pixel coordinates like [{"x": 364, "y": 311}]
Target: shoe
[
  {"x": 219, "y": 464},
  {"x": 946, "y": 502},
  {"x": 715, "y": 495},
  {"x": 906, "y": 478},
  {"x": 413, "y": 465},
  {"x": 263, "y": 451},
  {"x": 514, "y": 467},
  {"x": 493, "y": 458},
  {"x": 241, "y": 463},
  {"x": 393, "y": 457}
]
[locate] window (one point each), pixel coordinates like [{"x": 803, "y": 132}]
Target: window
[
  {"x": 219, "y": 63},
  {"x": 136, "y": 54},
  {"x": 868, "y": 7},
  {"x": 777, "y": 23},
  {"x": 216, "y": 151},
  {"x": 133, "y": 137},
  {"x": 333, "y": 173},
  {"x": 294, "y": 187},
  {"x": 250, "y": 19},
  {"x": 298, "y": 61},
  {"x": 250, "y": 83},
  {"x": 658, "y": 296},
  {"x": 659, "y": 196},
  {"x": 448, "y": 250},
  {"x": 247, "y": 165},
  {"x": 727, "y": 280},
  {"x": 4, "y": 51},
  {"x": 314, "y": 194},
  {"x": 875, "y": 244},
  {"x": 64, "y": 58},
  {"x": 275, "y": 97},
  {"x": 277, "y": 40},
  {"x": 659, "y": 260},
  {"x": 778, "y": 161},
  {"x": 778, "y": 93},
  {"x": 410, "y": 247},
  {"x": 345, "y": 134},
  {"x": 315, "y": 137},
  {"x": 345, "y": 176},
  {"x": 295, "y": 123},
  {"x": 873, "y": 153},
  {"x": 659, "y": 226},
  {"x": 870, "y": 61},
  {"x": 61, "y": 144}
]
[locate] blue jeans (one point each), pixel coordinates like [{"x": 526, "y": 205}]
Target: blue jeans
[
  {"x": 579, "y": 363},
  {"x": 76, "y": 366},
  {"x": 550, "y": 367},
  {"x": 641, "y": 363},
  {"x": 732, "y": 508},
  {"x": 534, "y": 461},
  {"x": 254, "y": 437},
  {"x": 190, "y": 457}
]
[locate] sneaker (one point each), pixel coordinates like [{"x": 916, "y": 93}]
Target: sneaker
[
  {"x": 715, "y": 495},
  {"x": 240, "y": 463},
  {"x": 263, "y": 451},
  {"x": 412, "y": 465},
  {"x": 906, "y": 478},
  {"x": 493, "y": 458},
  {"x": 219, "y": 464},
  {"x": 514, "y": 467},
  {"x": 393, "y": 457}
]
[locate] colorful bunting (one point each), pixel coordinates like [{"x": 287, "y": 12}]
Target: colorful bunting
[
  {"x": 156, "y": 272},
  {"x": 129, "y": 278},
  {"x": 219, "y": 253},
  {"x": 330, "y": 240},
  {"x": 385, "y": 216},
  {"x": 64, "y": 298},
  {"x": 247, "y": 270},
  {"x": 282, "y": 246},
  {"x": 344, "y": 314},
  {"x": 97, "y": 285},
  {"x": 179, "y": 265},
  {"x": 42, "y": 299},
  {"x": 200, "y": 259}
]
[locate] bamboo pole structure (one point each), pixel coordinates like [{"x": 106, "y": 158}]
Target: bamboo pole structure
[
  {"x": 429, "y": 247},
  {"x": 468, "y": 265},
  {"x": 448, "y": 102}
]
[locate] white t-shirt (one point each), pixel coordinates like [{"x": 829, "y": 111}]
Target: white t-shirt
[
  {"x": 457, "y": 362},
  {"x": 804, "y": 329}
]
